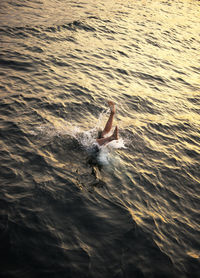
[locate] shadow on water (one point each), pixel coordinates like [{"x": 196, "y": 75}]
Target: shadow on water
[
  {"x": 127, "y": 254},
  {"x": 140, "y": 253},
  {"x": 7, "y": 256}
]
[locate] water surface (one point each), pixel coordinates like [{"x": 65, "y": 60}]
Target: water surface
[{"x": 132, "y": 210}]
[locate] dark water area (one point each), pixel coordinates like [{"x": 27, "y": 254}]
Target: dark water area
[{"x": 130, "y": 210}]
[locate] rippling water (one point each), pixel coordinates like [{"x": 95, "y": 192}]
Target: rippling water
[{"x": 133, "y": 209}]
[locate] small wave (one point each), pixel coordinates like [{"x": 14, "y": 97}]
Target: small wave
[
  {"x": 17, "y": 65},
  {"x": 80, "y": 25}
]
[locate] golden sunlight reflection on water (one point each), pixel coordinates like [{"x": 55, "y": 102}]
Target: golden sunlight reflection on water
[{"x": 60, "y": 63}]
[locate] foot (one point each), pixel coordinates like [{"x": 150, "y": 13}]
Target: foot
[
  {"x": 115, "y": 135},
  {"x": 111, "y": 104}
]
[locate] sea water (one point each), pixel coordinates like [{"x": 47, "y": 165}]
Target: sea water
[{"x": 132, "y": 208}]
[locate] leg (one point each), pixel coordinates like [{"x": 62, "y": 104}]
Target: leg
[
  {"x": 108, "y": 125},
  {"x": 114, "y": 136}
]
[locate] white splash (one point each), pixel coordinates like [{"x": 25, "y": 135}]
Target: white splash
[
  {"x": 86, "y": 138},
  {"x": 106, "y": 154}
]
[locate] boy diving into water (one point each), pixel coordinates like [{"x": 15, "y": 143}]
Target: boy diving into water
[{"x": 102, "y": 140}]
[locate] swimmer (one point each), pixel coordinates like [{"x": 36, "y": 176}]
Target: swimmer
[{"x": 102, "y": 140}]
